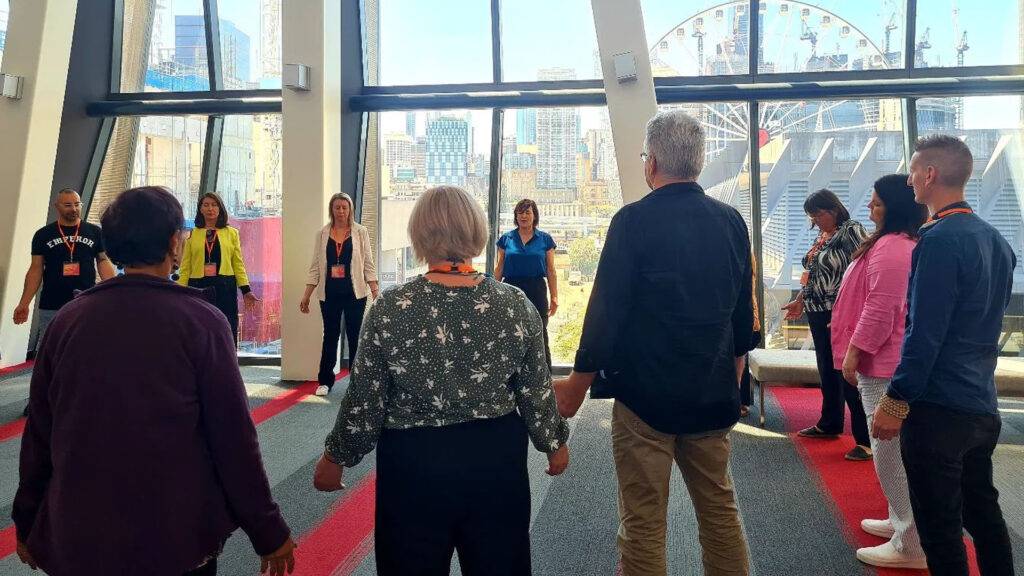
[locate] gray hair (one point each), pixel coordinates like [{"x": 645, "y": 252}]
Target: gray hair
[
  {"x": 676, "y": 141},
  {"x": 447, "y": 224}
]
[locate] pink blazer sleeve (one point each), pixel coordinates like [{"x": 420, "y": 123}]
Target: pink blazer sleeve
[{"x": 888, "y": 274}]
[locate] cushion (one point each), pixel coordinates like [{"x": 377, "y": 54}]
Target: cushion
[{"x": 784, "y": 366}]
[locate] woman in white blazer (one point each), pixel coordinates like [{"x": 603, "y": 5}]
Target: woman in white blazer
[{"x": 342, "y": 274}]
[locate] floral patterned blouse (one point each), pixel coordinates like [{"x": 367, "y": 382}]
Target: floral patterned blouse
[{"x": 432, "y": 355}]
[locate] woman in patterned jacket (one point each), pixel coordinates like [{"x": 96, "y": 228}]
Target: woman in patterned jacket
[
  {"x": 824, "y": 266},
  {"x": 449, "y": 382}
]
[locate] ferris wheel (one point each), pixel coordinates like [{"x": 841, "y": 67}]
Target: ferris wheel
[{"x": 798, "y": 37}]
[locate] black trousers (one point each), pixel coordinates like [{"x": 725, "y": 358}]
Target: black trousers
[
  {"x": 746, "y": 395},
  {"x": 536, "y": 290},
  {"x": 333, "y": 309},
  {"x": 225, "y": 297},
  {"x": 460, "y": 488},
  {"x": 834, "y": 389},
  {"x": 208, "y": 569},
  {"x": 948, "y": 457}
]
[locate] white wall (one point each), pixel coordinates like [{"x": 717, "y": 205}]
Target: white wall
[
  {"x": 38, "y": 47},
  {"x": 311, "y": 144}
]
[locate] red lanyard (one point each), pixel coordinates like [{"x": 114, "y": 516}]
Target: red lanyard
[
  {"x": 454, "y": 269},
  {"x": 338, "y": 247},
  {"x": 69, "y": 244},
  {"x": 210, "y": 243},
  {"x": 944, "y": 213}
]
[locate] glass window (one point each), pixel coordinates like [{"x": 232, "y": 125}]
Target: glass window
[
  {"x": 726, "y": 173},
  {"x": 564, "y": 39},
  {"x": 249, "y": 181},
  {"x": 959, "y": 33},
  {"x": 564, "y": 160},
  {"x": 5, "y": 12},
  {"x": 993, "y": 128},
  {"x": 433, "y": 42},
  {"x": 841, "y": 145},
  {"x": 419, "y": 150},
  {"x": 697, "y": 38},
  {"x": 153, "y": 151},
  {"x": 250, "y": 42},
  {"x": 164, "y": 46},
  {"x": 831, "y": 35}
]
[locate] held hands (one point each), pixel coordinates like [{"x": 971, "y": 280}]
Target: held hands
[
  {"x": 327, "y": 476},
  {"x": 25, "y": 556},
  {"x": 304, "y": 305},
  {"x": 569, "y": 394},
  {"x": 558, "y": 461},
  {"x": 884, "y": 426},
  {"x": 794, "y": 310},
  {"x": 280, "y": 560}
]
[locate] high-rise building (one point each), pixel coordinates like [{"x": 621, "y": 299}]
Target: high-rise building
[
  {"x": 398, "y": 151},
  {"x": 419, "y": 157},
  {"x": 190, "y": 42},
  {"x": 190, "y": 49},
  {"x": 410, "y": 124},
  {"x": 526, "y": 126},
  {"x": 558, "y": 135},
  {"x": 447, "y": 150}
]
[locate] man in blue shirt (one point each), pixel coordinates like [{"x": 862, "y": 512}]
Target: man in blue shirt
[{"x": 942, "y": 399}]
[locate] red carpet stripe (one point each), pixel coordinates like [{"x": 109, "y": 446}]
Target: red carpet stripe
[
  {"x": 852, "y": 486},
  {"x": 16, "y": 368},
  {"x": 8, "y": 541},
  {"x": 12, "y": 429},
  {"x": 338, "y": 544}
]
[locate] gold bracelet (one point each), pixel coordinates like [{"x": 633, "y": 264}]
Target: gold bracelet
[{"x": 895, "y": 408}]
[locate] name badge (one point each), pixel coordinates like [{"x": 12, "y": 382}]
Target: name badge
[
  {"x": 72, "y": 269},
  {"x": 804, "y": 278},
  {"x": 338, "y": 271},
  {"x": 210, "y": 270}
]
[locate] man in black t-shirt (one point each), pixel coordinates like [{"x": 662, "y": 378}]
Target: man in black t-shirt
[{"x": 66, "y": 256}]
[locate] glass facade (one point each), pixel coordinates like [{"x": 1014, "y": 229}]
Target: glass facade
[
  {"x": 250, "y": 43},
  {"x": 164, "y": 46},
  {"x": 564, "y": 38},
  {"x": 5, "y": 13}
]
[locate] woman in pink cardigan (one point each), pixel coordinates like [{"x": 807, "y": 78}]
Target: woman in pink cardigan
[{"x": 868, "y": 322}]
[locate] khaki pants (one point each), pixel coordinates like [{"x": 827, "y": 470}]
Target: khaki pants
[{"x": 643, "y": 464}]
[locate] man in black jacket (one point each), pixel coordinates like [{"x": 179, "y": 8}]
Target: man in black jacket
[{"x": 670, "y": 310}]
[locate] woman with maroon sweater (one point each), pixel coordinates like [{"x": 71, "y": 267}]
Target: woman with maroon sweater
[{"x": 139, "y": 455}]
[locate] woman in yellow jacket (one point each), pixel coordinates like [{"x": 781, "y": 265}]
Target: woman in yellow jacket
[{"x": 212, "y": 258}]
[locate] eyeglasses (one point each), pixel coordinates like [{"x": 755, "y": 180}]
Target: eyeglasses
[{"x": 644, "y": 156}]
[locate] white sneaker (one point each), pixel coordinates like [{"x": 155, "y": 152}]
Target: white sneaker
[
  {"x": 322, "y": 390},
  {"x": 886, "y": 556},
  {"x": 880, "y": 528}
]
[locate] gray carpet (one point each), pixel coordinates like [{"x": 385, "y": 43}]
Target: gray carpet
[{"x": 791, "y": 523}]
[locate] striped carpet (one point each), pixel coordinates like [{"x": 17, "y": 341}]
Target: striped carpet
[{"x": 801, "y": 502}]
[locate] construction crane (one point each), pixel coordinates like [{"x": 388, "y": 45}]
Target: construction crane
[
  {"x": 923, "y": 44},
  {"x": 806, "y": 33},
  {"x": 962, "y": 47},
  {"x": 699, "y": 34},
  {"x": 888, "y": 33}
]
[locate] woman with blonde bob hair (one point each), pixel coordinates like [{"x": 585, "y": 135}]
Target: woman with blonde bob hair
[
  {"x": 343, "y": 274},
  {"x": 450, "y": 381}
]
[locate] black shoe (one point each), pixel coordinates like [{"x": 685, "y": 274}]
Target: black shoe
[
  {"x": 859, "y": 454},
  {"x": 815, "y": 432}
]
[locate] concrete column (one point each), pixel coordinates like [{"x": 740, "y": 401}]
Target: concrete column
[
  {"x": 38, "y": 48},
  {"x": 620, "y": 28},
  {"x": 311, "y": 35}
]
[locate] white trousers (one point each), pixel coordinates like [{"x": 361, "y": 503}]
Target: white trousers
[{"x": 891, "y": 474}]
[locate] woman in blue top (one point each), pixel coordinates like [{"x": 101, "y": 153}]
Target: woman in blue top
[{"x": 526, "y": 256}]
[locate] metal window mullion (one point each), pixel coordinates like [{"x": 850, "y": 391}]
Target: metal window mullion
[
  {"x": 117, "y": 47},
  {"x": 754, "y": 40},
  {"x": 909, "y": 128},
  {"x": 211, "y": 154},
  {"x": 213, "y": 55},
  {"x": 364, "y": 120},
  {"x": 754, "y": 113},
  {"x": 496, "y": 41},
  {"x": 494, "y": 186},
  {"x": 910, "y": 42}
]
